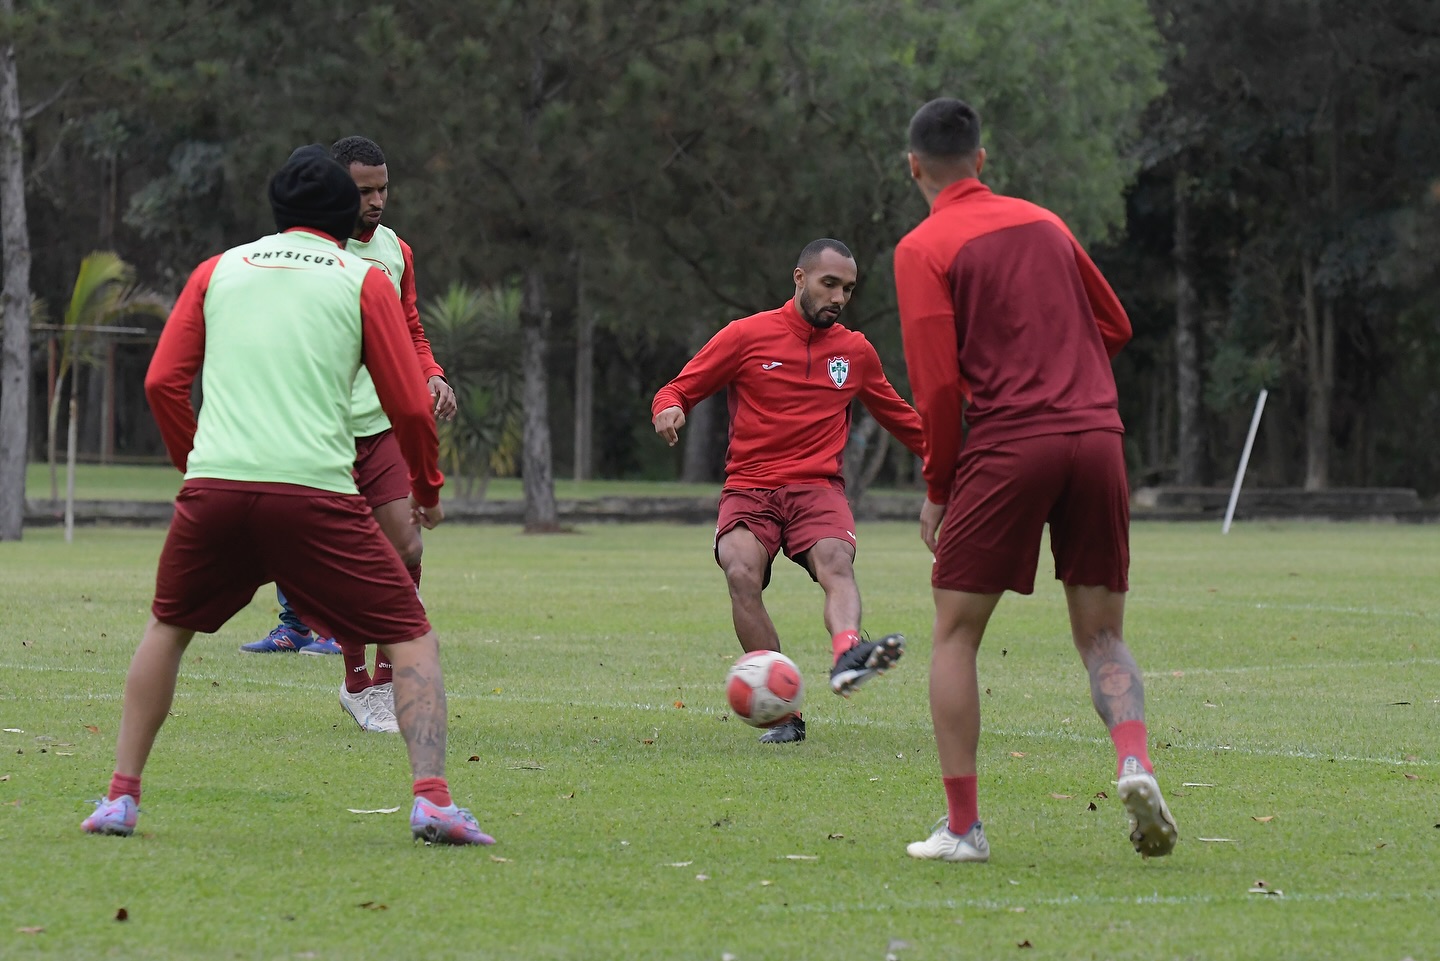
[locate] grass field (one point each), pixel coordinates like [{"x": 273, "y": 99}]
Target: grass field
[{"x": 1293, "y": 685}]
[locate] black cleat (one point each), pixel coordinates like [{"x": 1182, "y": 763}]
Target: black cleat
[
  {"x": 788, "y": 732},
  {"x": 865, "y": 660}
]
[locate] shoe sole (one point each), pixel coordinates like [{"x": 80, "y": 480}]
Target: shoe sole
[
  {"x": 881, "y": 660},
  {"x": 432, "y": 834},
  {"x": 1155, "y": 832},
  {"x": 270, "y": 650},
  {"x": 118, "y": 831},
  {"x": 304, "y": 650}
]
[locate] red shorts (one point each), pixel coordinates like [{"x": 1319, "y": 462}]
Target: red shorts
[
  {"x": 1003, "y": 496},
  {"x": 335, "y": 566},
  {"x": 380, "y": 469},
  {"x": 795, "y": 518}
]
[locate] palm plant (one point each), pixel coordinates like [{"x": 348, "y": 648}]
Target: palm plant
[
  {"x": 105, "y": 292},
  {"x": 475, "y": 334}
]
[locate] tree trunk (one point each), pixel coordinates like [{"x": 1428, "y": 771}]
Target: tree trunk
[
  {"x": 15, "y": 301},
  {"x": 1319, "y": 337},
  {"x": 1188, "y": 388},
  {"x": 696, "y": 464},
  {"x": 537, "y": 462},
  {"x": 859, "y": 448},
  {"x": 584, "y": 381}
]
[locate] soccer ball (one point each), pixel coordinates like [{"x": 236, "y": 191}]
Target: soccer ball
[{"x": 764, "y": 688}]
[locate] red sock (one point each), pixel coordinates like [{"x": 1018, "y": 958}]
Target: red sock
[
  {"x": 357, "y": 677},
  {"x": 843, "y": 641},
  {"x": 1129, "y": 738},
  {"x": 383, "y": 669},
  {"x": 435, "y": 790},
  {"x": 415, "y": 576},
  {"x": 124, "y": 784},
  {"x": 962, "y": 801}
]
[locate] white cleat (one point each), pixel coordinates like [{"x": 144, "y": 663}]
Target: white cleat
[
  {"x": 373, "y": 708},
  {"x": 946, "y": 845},
  {"x": 1152, "y": 829}
]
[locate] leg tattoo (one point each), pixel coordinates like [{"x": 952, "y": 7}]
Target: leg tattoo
[{"x": 1115, "y": 685}]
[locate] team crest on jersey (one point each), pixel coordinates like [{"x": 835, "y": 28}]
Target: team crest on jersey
[{"x": 839, "y": 370}]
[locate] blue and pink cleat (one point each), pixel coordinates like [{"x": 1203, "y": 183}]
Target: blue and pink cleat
[
  {"x": 113, "y": 817},
  {"x": 448, "y": 825},
  {"x": 282, "y": 640}
]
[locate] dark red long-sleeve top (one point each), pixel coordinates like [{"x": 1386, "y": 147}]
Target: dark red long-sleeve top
[
  {"x": 790, "y": 385},
  {"x": 1001, "y": 307}
]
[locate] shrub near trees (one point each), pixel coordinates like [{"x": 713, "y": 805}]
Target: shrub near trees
[{"x": 641, "y": 173}]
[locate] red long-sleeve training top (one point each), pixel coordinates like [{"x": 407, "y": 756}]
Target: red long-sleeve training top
[
  {"x": 790, "y": 385},
  {"x": 1001, "y": 307}
]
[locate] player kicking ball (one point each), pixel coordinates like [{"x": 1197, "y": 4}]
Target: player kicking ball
[
  {"x": 278, "y": 329},
  {"x": 792, "y": 374}
]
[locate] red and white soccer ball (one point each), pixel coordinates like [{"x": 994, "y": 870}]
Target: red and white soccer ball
[{"x": 764, "y": 688}]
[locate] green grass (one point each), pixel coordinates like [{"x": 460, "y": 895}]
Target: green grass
[
  {"x": 160, "y": 482},
  {"x": 1291, "y": 670}
]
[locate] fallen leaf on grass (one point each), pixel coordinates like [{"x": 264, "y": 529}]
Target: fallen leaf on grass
[
  {"x": 521, "y": 765},
  {"x": 1017, "y": 910},
  {"x": 1260, "y": 887},
  {"x": 16, "y": 730},
  {"x": 702, "y": 877},
  {"x": 1017, "y": 753},
  {"x": 679, "y": 703},
  {"x": 1218, "y": 840},
  {"x": 1196, "y": 784},
  {"x": 1263, "y": 820},
  {"x": 122, "y": 915},
  {"x": 64, "y": 753},
  {"x": 1062, "y": 797},
  {"x": 834, "y": 837},
  {"x": 1025, "y": 944},
  {"x": 647, "y": 740},
  {"x": 802, "y": 857},
  {"x": 473, "y": 757},
  {"x": 1412, "y": 777},
  {"x": 372, "y": 810},
  {"x": 499, "y": 860},
  {"x": 766, "y": 884},
  {"x": 1093, "y": 807},
  {"x": 679, "y": 864},
  {"x": 4, "y": 777},
  {"x": 373, "y": 906},
  {"x": 567, "y": 797},
  {"x": 92, "y": 729},
  {"x": 1101, "y": 795},
  {"x": 1177, "y": 673},
  {"x": 36, "y": 930}
]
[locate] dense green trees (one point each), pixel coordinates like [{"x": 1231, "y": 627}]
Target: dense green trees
[{"x": 639, "y": 173}]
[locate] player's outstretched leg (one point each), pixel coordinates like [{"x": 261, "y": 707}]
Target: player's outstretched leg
[
  {"x": 420, "y": 709},
  {"x": 863, "y": 661}
]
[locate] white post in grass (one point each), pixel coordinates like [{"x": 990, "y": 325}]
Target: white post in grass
[{"x": 1244, "y": 459}]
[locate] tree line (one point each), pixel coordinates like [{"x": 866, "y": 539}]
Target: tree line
[{"x": 607, "y": 184}]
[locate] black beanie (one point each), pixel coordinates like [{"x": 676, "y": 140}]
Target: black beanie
[{"x": 312, "y": 190}]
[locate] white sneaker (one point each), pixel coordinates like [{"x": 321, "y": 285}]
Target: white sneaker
[
  {"x": 382, "y": 708},
  {"x": 372, "y": 713},
  {"x": 945, "y": 845},
  {"x": 1152, "y": 829}
]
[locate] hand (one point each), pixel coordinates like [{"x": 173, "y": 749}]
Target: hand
[
  {"x": 668, "y": 423},
  {"x": 445, "y": 405},
  {"x": 427, "y": 517},
  {"x": 931, "y": 515}
]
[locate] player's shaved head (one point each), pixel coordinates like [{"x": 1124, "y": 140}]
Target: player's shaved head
[
  {"x": 945, "y": 134},
  {"x": 815, "y": 248}
]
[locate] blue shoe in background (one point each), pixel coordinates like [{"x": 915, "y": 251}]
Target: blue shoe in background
[{"x": 282, "y": 640}]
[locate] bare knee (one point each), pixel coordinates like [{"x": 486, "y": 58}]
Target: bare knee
[
  {"x": 833, "y": 563},
  {"x": 745, "y": 577}
]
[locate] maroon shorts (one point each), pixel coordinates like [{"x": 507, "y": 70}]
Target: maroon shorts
[
  {"x": 1005, "y": 494},
  {"x": 325, "y": 551},
  {"x": 380, "y": 469},
  {"x": 794, "y": 518}
]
